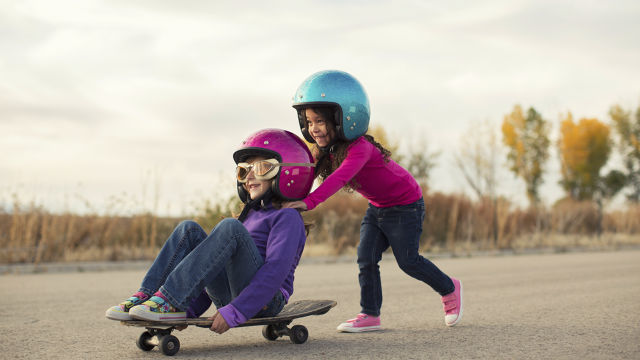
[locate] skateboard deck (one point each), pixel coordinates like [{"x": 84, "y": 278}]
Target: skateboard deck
[{"x": 274, "y": 327}]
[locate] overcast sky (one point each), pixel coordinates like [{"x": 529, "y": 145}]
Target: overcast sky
[{"x": 111, "y": 102}]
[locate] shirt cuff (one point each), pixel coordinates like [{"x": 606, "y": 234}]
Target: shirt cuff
[
  {"x": 232, "y": 316},
  {"x": 286, "y": 295},
  {"x": 309, "y": 203}
]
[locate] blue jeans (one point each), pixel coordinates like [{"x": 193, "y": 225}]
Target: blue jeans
[
  {"x": 399, "y": 227},
  {"x": 222, "y": 263}
]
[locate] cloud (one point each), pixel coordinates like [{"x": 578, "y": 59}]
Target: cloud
[{"x": 100, "y": 92}]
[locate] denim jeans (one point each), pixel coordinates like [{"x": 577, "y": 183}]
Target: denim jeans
[
  {"x": 222, "y": 263},
  {"x": 399, "y": 227}
]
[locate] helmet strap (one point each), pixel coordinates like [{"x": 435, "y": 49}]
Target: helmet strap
[
  {"x": 242, "y": 193},
  {"x": 256, "y": 204},
  {"x": 329, "y": 149}
]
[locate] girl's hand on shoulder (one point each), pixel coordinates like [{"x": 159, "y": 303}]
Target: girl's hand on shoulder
[
  {"x": 219, "y": 323},
  {"x": 299, "y": 205}
]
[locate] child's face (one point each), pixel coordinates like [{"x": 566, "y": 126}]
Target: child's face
[
  {"x": 255, "y": 187},
  {"x": 319, "y": 128}
]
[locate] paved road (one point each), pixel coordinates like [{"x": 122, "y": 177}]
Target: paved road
[{"x": 576, "y": 306}]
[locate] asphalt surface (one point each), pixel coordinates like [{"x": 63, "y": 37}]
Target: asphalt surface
[{"x": 569, "y": 306}]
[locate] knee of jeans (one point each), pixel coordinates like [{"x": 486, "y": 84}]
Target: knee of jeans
[
  {"x": 408, "y": 264},
  {"x": 367, "y": 262},
  {"x": 228, "y": 223},
  {"x": 189, "y": 225}
]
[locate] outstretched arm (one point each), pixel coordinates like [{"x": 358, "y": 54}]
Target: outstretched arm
[{"x": 358, "y": 153}]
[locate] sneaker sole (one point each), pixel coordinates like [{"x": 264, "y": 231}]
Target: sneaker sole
[
  {"x": 358, "y": 329},
  {"x": 461, "y": 307},
  {"x": 117, "y": 315},
  {"x": 141, "y": 314}
]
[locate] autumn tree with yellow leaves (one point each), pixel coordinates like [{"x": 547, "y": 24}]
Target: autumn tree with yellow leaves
[
  {"x": 584, "y": 149},
  {"x": 527, "y": 138}
]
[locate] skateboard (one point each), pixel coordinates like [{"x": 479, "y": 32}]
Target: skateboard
[{"x": 273, "y": 327}]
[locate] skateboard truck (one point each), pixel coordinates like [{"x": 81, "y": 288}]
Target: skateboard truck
[
  {"x": 298, "y": 334},
  {"x": 167, "y": 343}
]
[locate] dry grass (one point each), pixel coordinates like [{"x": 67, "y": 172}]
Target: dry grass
[
  {"x": 34, "y": 235},
  {"x": 453, "y": 224}
]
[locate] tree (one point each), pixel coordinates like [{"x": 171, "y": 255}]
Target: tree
[
  {"x": 420, "y": 162},
  {"x": 527, "y": 138},
  {"x": 584, "y": 149},
  {"x": 628, "y": 136},
  {"x": 478, "y": 162},
  {"x": 477, "y": 159}
]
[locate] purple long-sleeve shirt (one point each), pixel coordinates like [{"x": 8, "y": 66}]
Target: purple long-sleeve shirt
[
  {"x": 384, "y": 184},
  {"x": 279, "y": 235}
]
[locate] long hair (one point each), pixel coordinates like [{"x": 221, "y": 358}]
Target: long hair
[{"x": 328, "y": 159}]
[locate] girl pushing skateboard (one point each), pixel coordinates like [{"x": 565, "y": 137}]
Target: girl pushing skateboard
[
  {"x": 245, "y": 266},
  {"x": 333, "y": 113}
]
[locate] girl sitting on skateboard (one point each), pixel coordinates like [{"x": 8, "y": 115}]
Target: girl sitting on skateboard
[
  {"x": 333, "y": 112},
  {"x": 246, "y": 265}
]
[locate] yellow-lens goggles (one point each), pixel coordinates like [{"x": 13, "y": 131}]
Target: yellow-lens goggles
[{"x": 262, "y": 169}]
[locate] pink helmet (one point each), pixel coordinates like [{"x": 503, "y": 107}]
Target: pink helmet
[{"x": 295, "y": 175}]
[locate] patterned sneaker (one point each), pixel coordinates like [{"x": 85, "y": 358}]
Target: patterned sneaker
[
  {"x": 157, "y": 309},
  {"x": 452, "y": 304},
  {"x": 121, "y": 312},
  {"x": 361, "y": 323}
]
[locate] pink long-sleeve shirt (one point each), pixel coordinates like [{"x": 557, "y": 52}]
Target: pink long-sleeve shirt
[{"x": 384, "y": 184}]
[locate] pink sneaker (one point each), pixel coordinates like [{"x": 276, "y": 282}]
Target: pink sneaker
[
  {"x": 452, "y": 304},
  {"x": 361, "y": 323}
]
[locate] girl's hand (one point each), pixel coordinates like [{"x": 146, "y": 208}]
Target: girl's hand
[
  {"x": 300, "y": 205},
  {"x": 219, "y": 323}
]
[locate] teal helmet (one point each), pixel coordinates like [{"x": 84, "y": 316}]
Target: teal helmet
[{"x": 336, "y": 89}]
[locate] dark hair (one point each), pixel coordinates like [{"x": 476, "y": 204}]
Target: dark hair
[{"x": 325, "y": 164}]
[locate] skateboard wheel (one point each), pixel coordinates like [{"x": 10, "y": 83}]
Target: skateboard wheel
[
  {"x": 169, "y": 345},
  {"x": 269, "y": 332},
  {"x": 299, "y": 334},
  {"x": 143, "y": 341}
]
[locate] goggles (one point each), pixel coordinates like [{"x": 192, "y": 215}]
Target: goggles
[{"x": 263, "y": 169}]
